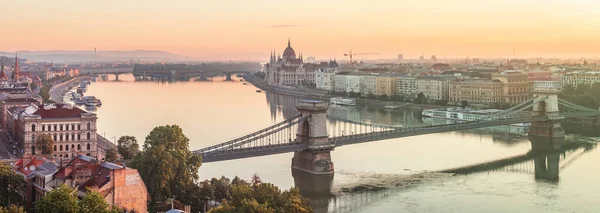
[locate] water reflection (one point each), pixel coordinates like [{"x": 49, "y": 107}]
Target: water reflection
[{"x": 543, "y": 167}]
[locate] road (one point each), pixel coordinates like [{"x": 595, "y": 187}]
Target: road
[
  {"x": 58, "y": 91},
  {"x": 6, "y": 150}
]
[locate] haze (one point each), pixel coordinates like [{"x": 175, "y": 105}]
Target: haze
[{"x": 239, "y": 30}]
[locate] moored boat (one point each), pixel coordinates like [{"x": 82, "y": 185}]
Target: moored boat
[
  {"x": 343, "y": 101},
  {"x": 463, "y": 114}
]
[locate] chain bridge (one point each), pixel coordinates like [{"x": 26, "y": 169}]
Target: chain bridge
[{"x": 311, "y": 139}]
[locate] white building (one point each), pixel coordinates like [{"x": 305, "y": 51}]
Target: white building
[
  {"x": 406, "y": 86},
  {"x": 353, "y": 83},
  {"x": 433, "y": 87},
  {"x": 577, "y": 78},
  {"x": 325, "y": 77},
  {"x": 368, "y": 84}
]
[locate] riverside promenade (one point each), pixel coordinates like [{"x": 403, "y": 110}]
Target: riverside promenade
[{"x": 57, "y": 92}]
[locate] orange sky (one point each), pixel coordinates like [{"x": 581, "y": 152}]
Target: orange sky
[{"x": 236, "y": 29}]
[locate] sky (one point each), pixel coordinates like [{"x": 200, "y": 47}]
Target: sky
[{"x": 249, "y": 29}]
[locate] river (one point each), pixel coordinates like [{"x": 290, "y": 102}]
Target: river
[{"x": 211, "y": 112}]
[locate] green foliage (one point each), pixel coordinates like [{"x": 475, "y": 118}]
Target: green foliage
[
  {"x": 421, "y": 99},
  {"x": 442, "y": 102},
  {"x": 383, "y": 97},
  {"x": 371, "y": 96},
  {"x": 59, "y": 200},
  {"x": 45, "y": 143},
  {"x": 260, "y": 75},
  {"x": 464, "y": 104},
  {"x": 354, "y": 94},
  {"x": 500, "y": 105},
  {"x": 128, "y": 146},
  {"x": 166, "y": 165},
  {"x": 111, "y": 155},
  {"x": 260, "y": 197},
  {"x": 45, "y": 93},
  {"x": 396, "y": 98},
  {"x": 33, "y": 86},
  {"x": 12, "y": 185},
  {"x": 583, "y": 95},
  {"x": 93, "y": 202},
  {"x": 12, "y": 209}
]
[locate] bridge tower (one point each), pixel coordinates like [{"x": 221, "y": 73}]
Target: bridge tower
[
  {"x": 546, "y": 135},
  {"x": 316, "y": 158}
]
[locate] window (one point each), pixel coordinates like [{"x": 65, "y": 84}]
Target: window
[
  {"x": 72, "y": 126},
  {"x": 61, "y": 137},
  {"x": 73, "y": 136},
  {"x": 33, "y": 138},
  {"x": 88, "y": 146},
  {"x": 33, "y": 127},
  {"x": 43, "y": 128},
  {"x": 89, "y": 126},
  {"x": 88, "y": 136},
  {"x": 61, "y": 127},
  {"x": 54, "y": 137},
  {"x": 78, "y": 126},
  {"x": 33, "y": 150},
  {"x": 55, "y": 150},
  {"x": 67, "y": 147},
  {"x": 72, "y": 146},
  {"x": 78, "y": 146},
  {"x": 60, "y": 148}
]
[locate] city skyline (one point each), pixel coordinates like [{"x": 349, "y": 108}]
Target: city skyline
[{"x": 249, "y": 30}]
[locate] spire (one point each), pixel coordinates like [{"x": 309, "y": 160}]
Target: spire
[
  {"x": 289, "y": 44},
  {"x": 16, "y": 73}
]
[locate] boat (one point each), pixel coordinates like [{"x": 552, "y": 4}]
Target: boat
[
  {"x": 343, "y": 101},
  {"x": 244, "y": 83},
  {"x": 90, "y": 101},
  {"x": 258, "y": 90},
  {"x": 463, "y": 114},
  {"x": 391, "y": 107}
]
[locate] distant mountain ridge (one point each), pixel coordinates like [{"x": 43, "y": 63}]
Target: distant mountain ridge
[{"x": 87, "y": 55}]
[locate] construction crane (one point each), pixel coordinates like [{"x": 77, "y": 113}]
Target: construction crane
[{"x": 353, "y": 54}]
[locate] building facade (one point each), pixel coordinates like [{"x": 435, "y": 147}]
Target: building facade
[
  {"x": 476, "y": 91},
  {"x": 433, "y": 87},
  {"x": 72, "y": 129},
  {"x": 339, "y": 82},
  {"x": 578, "y": 78},
  {"x": 325, "y": 77},
  {"x": 289, "y": 69},
  {"x": 517, "y": 87},
  {"x": 124, "y": 188},
  {"x": 386, "y": 85},
  {"x": 353, "y": 83},
  {"x": 406, "y": 86},
  {"x": 369, "y": 84}
]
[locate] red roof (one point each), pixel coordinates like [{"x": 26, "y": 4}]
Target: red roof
[
  {"x": 30, "y": 167},
  {"x": 61, "y": 111}
]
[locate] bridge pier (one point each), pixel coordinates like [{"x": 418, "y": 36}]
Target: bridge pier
[
  {"x": 228, "y": 76},
  {"x": 546, "y": 136},
  {"x": 547, "y": 167},
  {"x": 116, "y": 76},
  {"x": 316, "y": 158}
]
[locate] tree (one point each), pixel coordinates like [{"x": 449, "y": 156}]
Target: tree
[
  {"x": 59, "y": 200},
  {"x": 12, "y": 185},
  {"x": 33, "y": 86},
  {"x": 128, "y": 146},
  {"x": 166, "y": 164},
  {"x": 397, "y": 98},
  {"x": 93, "y": 202},
  {"x": 421, "y": 99},
  {"x": 111, "y": 155},
  {"x": 371, "y": 96},
  {"x": 442, "y": 102},
  {"x": 384, "y": 97},
  {"x": 464, "y": 104},
  {"x": 45, "y": 143},
  {"x": 12, "y": 209}
]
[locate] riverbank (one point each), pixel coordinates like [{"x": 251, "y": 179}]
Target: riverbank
[
  {"x": 325, "y": 96},
  {"x": 58, "y": 91}
]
